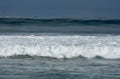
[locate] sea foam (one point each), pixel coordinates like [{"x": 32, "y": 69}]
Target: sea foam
[{"x": 61, "y": 46}]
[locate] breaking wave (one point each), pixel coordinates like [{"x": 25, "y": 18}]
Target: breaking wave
[{"x": 61, "y": 46}]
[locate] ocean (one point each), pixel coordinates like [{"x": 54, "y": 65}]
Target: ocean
[{"x": 32, "y": 48}]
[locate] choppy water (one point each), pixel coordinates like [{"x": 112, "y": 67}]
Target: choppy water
[
  {"x": 50, "y": 68},
  {"x": 59, "y": 48}
]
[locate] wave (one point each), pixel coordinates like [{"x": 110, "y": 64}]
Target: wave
[
  {"x": 60, "y": 46},
  {"x": 70, "y": 26},
  {"x": 48, "y": 57},
  {"x": 59, "y": 21}
]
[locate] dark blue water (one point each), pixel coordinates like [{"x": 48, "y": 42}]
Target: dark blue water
[
  {"x": 24, "y": 25},
  {"x": 59, "y": 48}
]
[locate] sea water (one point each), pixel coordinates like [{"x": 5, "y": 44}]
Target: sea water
[{"x": 59, "y": 48}]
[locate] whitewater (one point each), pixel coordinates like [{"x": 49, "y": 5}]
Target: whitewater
[
  {"x": 61, "y": 46},
  {"x": 32, "y": 48}
]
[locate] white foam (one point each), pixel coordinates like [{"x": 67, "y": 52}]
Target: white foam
[{"x": 60, "y": 46}]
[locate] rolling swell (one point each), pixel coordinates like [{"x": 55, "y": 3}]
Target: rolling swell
[
  {"x": 59, "y": 21},
  {"x": 27, "y": 25}
]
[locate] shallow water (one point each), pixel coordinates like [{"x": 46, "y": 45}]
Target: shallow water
[{"x": 52, "y": 68}]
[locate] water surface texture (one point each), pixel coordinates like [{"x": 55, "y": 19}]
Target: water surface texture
[{"x": 59, "y": 48}]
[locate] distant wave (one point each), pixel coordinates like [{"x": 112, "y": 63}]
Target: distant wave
[
  {"x": 107, "y": 46},
  {"x": 27, "y": 25},
  {"x": 59, "y": 21}
]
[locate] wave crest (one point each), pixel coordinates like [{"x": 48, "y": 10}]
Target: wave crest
[
  {"x": 60, "y": 46},
  {"x": 58, "y": 21}
]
